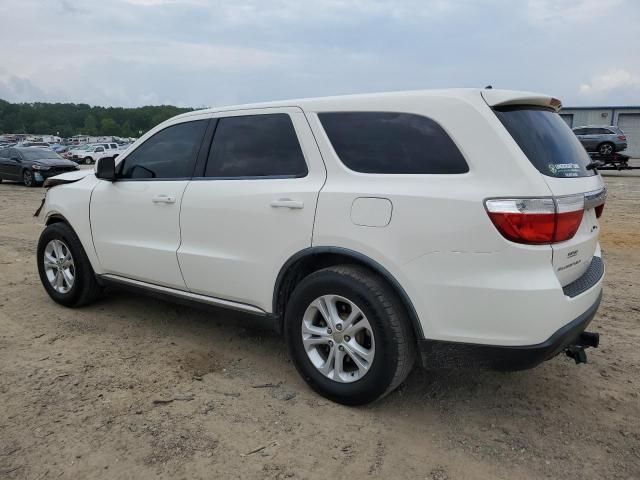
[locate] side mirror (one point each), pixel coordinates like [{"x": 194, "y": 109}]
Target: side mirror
[
  {"x": 15, "y": 159},
  {"x": 106, "y": 169}
]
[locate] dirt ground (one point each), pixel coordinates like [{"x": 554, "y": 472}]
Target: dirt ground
[{"x": 133, "y": 387}]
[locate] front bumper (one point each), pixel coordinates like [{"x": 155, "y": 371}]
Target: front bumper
[
  {"x": 444, "y": 354},
  {"x": 42, "y": 175}
]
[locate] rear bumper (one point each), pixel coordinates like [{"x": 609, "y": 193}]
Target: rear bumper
[{"x": 444, "y": 354}]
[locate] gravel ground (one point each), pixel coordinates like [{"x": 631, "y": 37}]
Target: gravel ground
[{"x": 134, "y": 387}]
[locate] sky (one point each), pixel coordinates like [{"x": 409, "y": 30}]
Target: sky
[{"x": 200, "y": 53}]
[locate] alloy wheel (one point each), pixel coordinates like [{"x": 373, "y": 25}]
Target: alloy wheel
[
  {"x": 59, "y": 266},
  {"x": 338, "y": 338},
  {"x": 606, "y": 149},
  {"x": 27, "y": 178}
]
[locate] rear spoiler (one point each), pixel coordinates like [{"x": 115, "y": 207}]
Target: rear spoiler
[{"x": 503, "y": 98}]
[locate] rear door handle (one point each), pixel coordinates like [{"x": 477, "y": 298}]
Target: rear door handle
[
  {"x": 163, "y": 199},
  {"x": 287, "y": 203}
]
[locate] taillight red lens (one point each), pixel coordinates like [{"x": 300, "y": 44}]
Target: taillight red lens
[
  {"x": 537, "y": 221},
  {"x": 621, "y": 137},
  {"x": 567, "y": 225},
  {"x": 599, "y": 209},
  {"x": 530, "y": 228},
  {"x": 569, "y": 212}
]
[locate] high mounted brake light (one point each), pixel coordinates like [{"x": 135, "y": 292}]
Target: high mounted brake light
[{"x": 537, "y": 221}]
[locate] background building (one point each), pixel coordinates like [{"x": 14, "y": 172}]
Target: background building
[{"x": 627, "y": 118}]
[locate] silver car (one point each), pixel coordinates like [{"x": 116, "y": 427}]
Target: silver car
[{"x": 604, "y": 140}]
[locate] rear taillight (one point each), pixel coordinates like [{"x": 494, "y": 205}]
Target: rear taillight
[
  {"x": 569, "y": 211},
  {"x": 537, "y": 221},
  {"x": 599, "y": 209},
  {"x": 622, "y": 137}
]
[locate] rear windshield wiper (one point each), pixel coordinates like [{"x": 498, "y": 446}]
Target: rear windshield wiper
[{"x": 593, "y": 165}]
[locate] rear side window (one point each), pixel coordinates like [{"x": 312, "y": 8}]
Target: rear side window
[
  {"x": 170, "y": 153},
  {"x": 547, "y": 141},
  {"x": 256, "y": 146},
  {"x": 392, "y": 143}
]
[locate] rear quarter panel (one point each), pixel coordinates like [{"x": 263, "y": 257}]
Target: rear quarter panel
[{"x": 440, "y": 239}]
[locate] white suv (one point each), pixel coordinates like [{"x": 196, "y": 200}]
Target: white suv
[{"x": 455, "y": 227}]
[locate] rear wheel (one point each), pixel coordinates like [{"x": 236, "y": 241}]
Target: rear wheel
[
  {"x": 348, "y": 334},
  {"x": 65, "y": 270},
  {"x": 606, "y": 149}
]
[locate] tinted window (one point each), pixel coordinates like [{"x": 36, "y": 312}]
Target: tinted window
[
  {"x": 580, "y": 131},
  {"x": 170, "y": 153},
  {"x": 256, "y": 146},
  {"x": 385, "y": 142},
  {"x": 547, "y": 141},
  {"x": 39, "y": 154},
  {"x": 4, "y": 153}
]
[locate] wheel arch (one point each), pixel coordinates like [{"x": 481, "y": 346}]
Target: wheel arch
[
  {"x": 312, "y": 259},
  {"x": 56, "y": 218}
]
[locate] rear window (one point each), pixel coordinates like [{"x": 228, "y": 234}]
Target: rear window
[
  {"x": 392, "y": 143},
  {"x": 547, "y": 141}
]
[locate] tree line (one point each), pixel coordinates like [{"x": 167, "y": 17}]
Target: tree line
[{"x": 69, "y": 119}]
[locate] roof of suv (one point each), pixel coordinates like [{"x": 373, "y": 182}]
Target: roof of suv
[{"x": 493, "y": 97}]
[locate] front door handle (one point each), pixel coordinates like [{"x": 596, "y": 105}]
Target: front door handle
[
  {"x": 287, "y": 203},
  {"x": 163, "y": 199}
]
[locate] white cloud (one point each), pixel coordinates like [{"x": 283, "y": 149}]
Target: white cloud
[
  {"x": 611, "y": 80},
  {"x": 566, "y": 12},
  {"x": 195, "y": 52}
]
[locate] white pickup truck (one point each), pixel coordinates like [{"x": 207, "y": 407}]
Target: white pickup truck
[{"x": 92, "y": 153}]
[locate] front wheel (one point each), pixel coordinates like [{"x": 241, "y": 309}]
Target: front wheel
[
  {"x": 65, "y": 270},
  {"x": 606, "y": 149},
  {"x": 27, "y": 179},
  {"x": 88, "y": 160},
  {"x": 348, "y": 334}
]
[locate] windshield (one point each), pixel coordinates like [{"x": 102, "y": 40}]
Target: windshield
[
  {"x": 39, "y": 154},
  {"x": 547, "y": 141}
]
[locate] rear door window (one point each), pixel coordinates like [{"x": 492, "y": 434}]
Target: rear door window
[
  {"x": 546, "y": 140},
  {"x": 392, "y": 143}
]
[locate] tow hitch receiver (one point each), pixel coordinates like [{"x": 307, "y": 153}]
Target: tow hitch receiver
[{"x": 586, "y": 340}]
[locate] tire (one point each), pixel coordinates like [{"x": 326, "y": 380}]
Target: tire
[
  {"x": 88, "y": 160},
  {"x": 606, "y": 148},
  {"x": 27, "y": 178},
  {"x": 390, "y": 336},
  {"x": 84, "y": 288}
]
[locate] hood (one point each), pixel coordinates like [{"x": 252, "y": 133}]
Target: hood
[
  {"x": 68, "y": 177},
  {"x": 53, "y": 162}
]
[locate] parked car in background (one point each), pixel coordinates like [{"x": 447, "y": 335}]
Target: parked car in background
[
  {"x": 35, "y": 144},
  {"x": 32, "y": 165},
  {"x": 92, "y": 153},
  {"x": 75, "y": 152},
  {"x": 454, "y": 228},
  {"x": 604, "y": 140}
]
